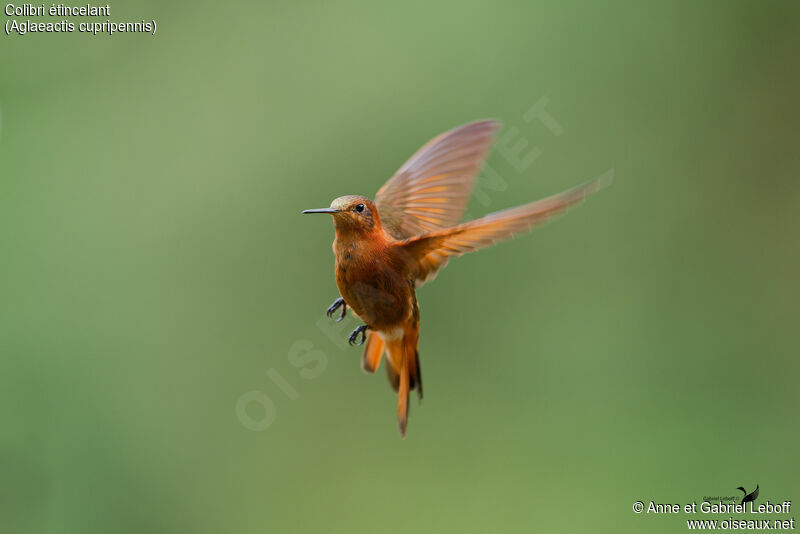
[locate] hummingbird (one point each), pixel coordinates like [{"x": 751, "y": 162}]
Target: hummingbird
[{"x": 387, "y": 248}]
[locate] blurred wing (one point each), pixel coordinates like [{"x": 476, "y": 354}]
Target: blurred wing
[
  {"x": 431, "y": 190},
  {"x": 430, "y": 252},
  {"x": 755, "y": 493}
]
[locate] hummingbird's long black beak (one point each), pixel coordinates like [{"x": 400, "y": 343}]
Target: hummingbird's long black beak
[{"x": 321, "y": 210}]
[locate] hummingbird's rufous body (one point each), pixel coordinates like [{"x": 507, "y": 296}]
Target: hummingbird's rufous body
[{"x": 386, "y": 249}]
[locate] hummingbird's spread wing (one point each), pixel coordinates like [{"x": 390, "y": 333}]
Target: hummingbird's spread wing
[
  {"x": 431, "y": 190},
  {"x": 427, "y": 253}
]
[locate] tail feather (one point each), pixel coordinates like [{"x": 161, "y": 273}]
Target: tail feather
[
  {"x": 393, "y": 375},
  {"x": 404, "y": 372},
  {"x": 397, "y": 369},
  {"x": 373, "y": 350},
  {"x": 414, "y": 375},
  {"x": 415, "y": 372},
  {"x": 394, "y": 350},
  {"x": 402, "y": 397}
]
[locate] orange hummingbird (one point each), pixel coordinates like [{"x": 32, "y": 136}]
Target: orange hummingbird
[{"x": 388, "y": 248}]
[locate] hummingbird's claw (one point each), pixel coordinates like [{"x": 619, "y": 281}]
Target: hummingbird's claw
[
  {"x": 333, "y": 307},
  {"x": 354, "y": 335}
]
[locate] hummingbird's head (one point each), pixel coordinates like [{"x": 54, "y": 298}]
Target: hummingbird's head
[{"x": 352, "y": 213}]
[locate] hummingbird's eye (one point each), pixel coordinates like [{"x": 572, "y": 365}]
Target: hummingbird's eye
[{"x": 360, "y": 208}]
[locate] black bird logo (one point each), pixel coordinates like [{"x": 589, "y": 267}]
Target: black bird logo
[{"x": 751, "y": 497}]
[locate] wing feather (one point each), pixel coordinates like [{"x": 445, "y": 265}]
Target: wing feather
[
  {"x": 426, "y": 254},
  {"x": 431, "y": 190}
]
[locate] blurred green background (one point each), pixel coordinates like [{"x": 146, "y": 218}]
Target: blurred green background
[{"x": 155, "y": 270}]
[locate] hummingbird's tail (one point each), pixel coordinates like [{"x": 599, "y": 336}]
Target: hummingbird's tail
[
  {"x": 414, "y": 374},
  {"x": 371, "y": 360},
  {"x": 404, "y": 372}
]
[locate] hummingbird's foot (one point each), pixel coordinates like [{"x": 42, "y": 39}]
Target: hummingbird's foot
[
  {"x": 354, "y": 335},
  {"x": 336, "y": 303}
]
